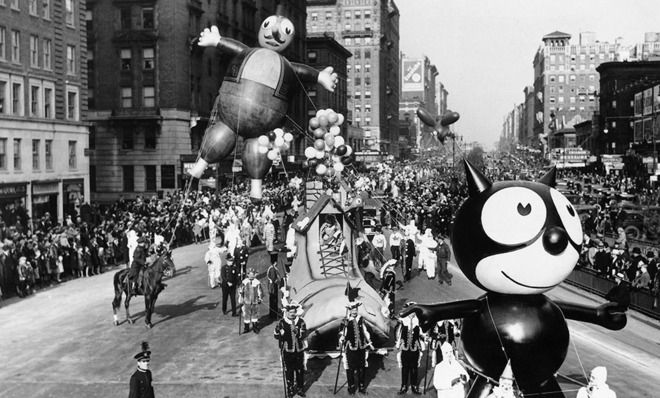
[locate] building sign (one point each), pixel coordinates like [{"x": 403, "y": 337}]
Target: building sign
[
  {"x": 45, "y": 188},
  {"x": 237, "y": 166},
  {"x": 13, "y": 190},
  {"x": 412, "y": 78},
  {"x": 656, "y": 98}
]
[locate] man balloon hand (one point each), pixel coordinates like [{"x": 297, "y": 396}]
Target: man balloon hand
[
  {"x": 209, "y": 37},
  {"x": 328, "y": 79}
]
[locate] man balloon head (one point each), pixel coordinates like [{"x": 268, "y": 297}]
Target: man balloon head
[{"x": 276, "y": 32}]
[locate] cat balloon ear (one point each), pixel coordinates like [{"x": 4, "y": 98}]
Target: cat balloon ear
[
  {"x": 477, "y": 182},
  {"x": 550, "y": 178}
]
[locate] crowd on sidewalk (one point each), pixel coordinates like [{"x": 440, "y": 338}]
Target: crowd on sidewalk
[{"x": 43, "y": 253}]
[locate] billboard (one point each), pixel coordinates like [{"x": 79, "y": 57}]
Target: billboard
[{"x": 412, "y": 78}]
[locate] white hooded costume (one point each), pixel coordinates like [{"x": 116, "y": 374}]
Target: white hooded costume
[{"x": 449, "y": 376}]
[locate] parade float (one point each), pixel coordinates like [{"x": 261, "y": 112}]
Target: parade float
[{"x": 324, "y": 266}]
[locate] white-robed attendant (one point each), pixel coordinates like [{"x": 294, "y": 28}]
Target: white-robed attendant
[
  {"x": 449, "y": 376},
  {"x": 597, "y": 387},
  {"x": 427, "y": 256}
]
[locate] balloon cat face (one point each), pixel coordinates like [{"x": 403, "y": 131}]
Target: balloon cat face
[
  {"x": 516, "y": 237},
  {"x": 276, "y": 33}
]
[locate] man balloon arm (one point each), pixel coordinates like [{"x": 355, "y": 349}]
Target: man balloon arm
[
  {"x": 326, "y": 78},
  {"x": 607, "y": 315},
  {"x": 212, "y": 38}
]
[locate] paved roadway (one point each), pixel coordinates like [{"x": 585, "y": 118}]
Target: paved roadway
[{"x": 61, "y": 343}]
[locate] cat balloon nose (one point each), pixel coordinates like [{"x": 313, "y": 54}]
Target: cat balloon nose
[{"x": 555, "y": 240}]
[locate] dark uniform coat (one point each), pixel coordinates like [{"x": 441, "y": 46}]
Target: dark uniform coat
[{"x": 140, "y": 385}]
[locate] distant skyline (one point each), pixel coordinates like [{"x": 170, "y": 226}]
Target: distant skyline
[{"x": 484, "y": 49}]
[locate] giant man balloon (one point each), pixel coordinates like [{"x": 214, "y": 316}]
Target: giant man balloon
[
  {"x": 516, "y": 240},
  {"x": 254, "y": 95}
]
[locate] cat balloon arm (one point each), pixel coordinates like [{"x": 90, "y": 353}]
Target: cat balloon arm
[
  {"x": 211, "y": 38},
  {"x": 430, "y": 314},
  {"x": 607, "y": 315}
]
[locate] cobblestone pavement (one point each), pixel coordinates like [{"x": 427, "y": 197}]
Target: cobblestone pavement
[{"x": 61, "y": 343}]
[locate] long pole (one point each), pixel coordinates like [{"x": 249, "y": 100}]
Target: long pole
[
  {"x": 341, "y": 357},
  {"x": 426, "y": 368},
  {"x": 283, "y": 366}
]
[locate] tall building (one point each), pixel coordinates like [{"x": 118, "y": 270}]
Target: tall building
[
  {"x": 370, "y": 31},
  {"x": 322, "y": 51},
  {"x": 566, "y": 80},
  {"x": 152, "y": 88},
  {"x": 441, "y": 97},
  {"x": 418, "y": 85},
  {"x": 629, "y": 108},
  {"x": 43, "y": 139}
]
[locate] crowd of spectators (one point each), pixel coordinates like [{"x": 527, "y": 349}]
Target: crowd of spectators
[{"x": 95, "y": 238}]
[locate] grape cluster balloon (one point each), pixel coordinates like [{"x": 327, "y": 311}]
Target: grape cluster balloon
[
  {"x": 274, "y": 143},
  {"x": 329, "y": 153}
]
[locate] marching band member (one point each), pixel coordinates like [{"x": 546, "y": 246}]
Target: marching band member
[
  {"x": 356, "y": 341},
  {"x": 291, "y": 331}
]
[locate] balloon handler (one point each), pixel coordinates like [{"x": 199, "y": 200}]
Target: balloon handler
[
  {"x": 516, "y": 240},
  {"x": 254, "y": 95}
]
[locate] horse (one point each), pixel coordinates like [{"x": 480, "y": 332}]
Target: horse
[{"x": 151, "y": 286}]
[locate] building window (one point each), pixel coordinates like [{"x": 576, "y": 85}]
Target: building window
[
  {"x": 32, "y": 7},
  {"x": 367, "y": 15},
  {"x": 125, "y": 55},
  {"x": 92, "y": 178},
  {"x": 367, "y": 54},
  {"x": 367, "y": 68},
  {"x": 167, "y": 176},
  {"x": 358, "y": 95},
  {"x": 315, "y": 16},
  {"x": 358, "y": 81},
  {"x": 552, "y": 78},
  {"x": 71, "y": 60},
  {"x": 3, "y": 154},
  {"x": 69, "y": 6},
  {"x": 147, "y": 58},
  {"x": 35, "y": 101},
  {"x": 127, "y": 141},
  {"x": 311, "y": 57},
  {"x": 48, "y": 153},
  {"x": 45, "y": 9},
  {"x": 49, "y": 101},
  {"x": 150, "y": 178},
  {"x": 14, "y": 5},
  {"x": 150, "y": 138},
  {"x": 92, "y": 137},
  {"x": 16, "y": 46},
  {"x": 148, "y": 97},
  {"x": 3, "y": 42},
  {"x": 348, "y": 41},
  {"x": 367, "y": 81},
  {"x": 147, "y": 18},
  {"x": 72, "y": 108},
  {"x": 35, "y": 154},
  {"x": 17, "y": 153},
  {"x": 47, "y": 51},
  {"x": 17, "y": 98},
  {"x": 126, "y": 97},
  {"x": 128, "y": 178},
  {"x": 347, "y": 14},
  {"x": 125, "y": 18},
  {"x": 3, "y": 96},
  {"x": 367, "y": 108},
  {"x": 367, "y": 94},
  {"x": 73, "y": 160},
  {"x": 34, "y": 51},
  {"x": 367, "y": 121},
  {"x": 328, "y": 15}
]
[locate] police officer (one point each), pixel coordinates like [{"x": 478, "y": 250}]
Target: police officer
[
  {"x": 355, "y": 340},
  {"x": 410, "y": 343},
  {"x": 291, "y": 331},
  {"x": 140, "y": 384},
  {"x": 229, "y": 276},
  {"x": 139, "y": 262}
]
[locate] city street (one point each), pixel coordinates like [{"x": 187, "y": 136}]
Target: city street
[{"x": 61, "y": 343}]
